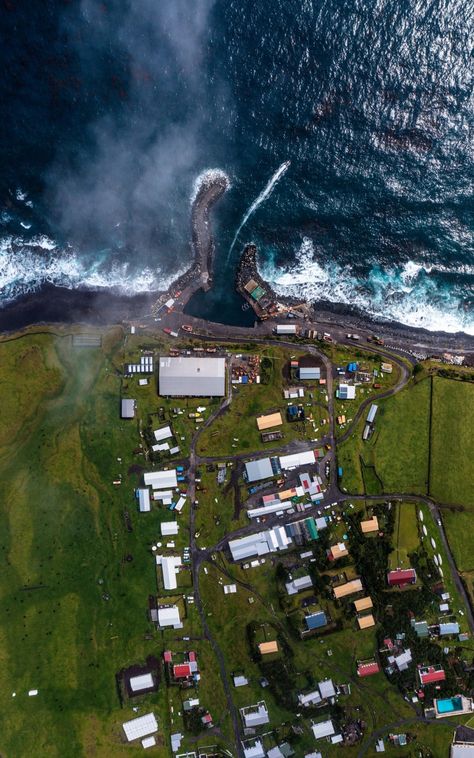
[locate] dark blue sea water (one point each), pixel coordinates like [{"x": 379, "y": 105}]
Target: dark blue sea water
[{"x": 110, "y": 111}]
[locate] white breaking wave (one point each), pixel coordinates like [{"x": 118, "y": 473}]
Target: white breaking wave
[
  {"x": 25, "y": 265},
  {"x": 206, "y": 177},
  {"x": 266, "y": 192},
  {"x": 405, "y": 294}
]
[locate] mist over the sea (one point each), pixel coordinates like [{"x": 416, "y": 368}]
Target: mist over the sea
[{"x": 110, "y": 110}]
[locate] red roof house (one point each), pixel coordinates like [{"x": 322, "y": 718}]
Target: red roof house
[
  {"x": 431, "y": 674},
  {"x": 401, "y": 577},
  {"x": 192, "y": 655},
  {"x": 181, "y": 671},
  {"x": 167, "y": 656},
  {"x": 367, "y": 669}
]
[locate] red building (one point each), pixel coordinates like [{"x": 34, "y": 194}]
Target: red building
[
  {"x": 431, "y": 675},
  {"x": 367, "y": 669},
  {"x": 401, "y": 577}
]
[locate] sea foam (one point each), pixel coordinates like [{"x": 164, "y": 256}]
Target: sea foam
[{"x": 406, "y": 293}]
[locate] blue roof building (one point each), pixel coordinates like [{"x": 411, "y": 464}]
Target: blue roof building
[{"x": 316, "y": 620}]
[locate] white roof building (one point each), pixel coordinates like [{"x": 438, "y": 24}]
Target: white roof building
[
  {"x": 326, "y": 688},
  {"x": 169, "y": 528},
  {"x": 304, "y": 458},
  {"x": 255, "y": 715},
  {"x": 193, "y": 377},
  {"x": 169, "y": 566},
  {"x": 323, "y": 729},
  {"x": 142, "y": 682},
  {"x": 240, "y": 681},
  {"x": 163, "y": 434},
  {"x": 264, "y": 510},
  {"x": 254, "y": 751},
  {"x": 169, "y": 617},
  {"x": 311, "y": 698},
  {"x": 161, "y": 480},
  {"x": 346, "y": 392},
  {"x": 297, "y": 585},
  {"x": 140, "y": 727},
  {"x": 143, "y": 495}
]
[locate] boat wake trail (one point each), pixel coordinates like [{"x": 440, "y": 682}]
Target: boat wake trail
[{"x": 259, "y": 200}]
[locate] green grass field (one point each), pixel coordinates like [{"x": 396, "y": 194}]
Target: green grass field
[
  {"x": 405, "y": 535},
  {"x": 73, "y": 611},
  {"x": 398, "y": 449},
  {"x": 452, "y": 464}
]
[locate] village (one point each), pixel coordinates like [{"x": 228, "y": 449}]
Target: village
[{"x": 240, "y": 474}]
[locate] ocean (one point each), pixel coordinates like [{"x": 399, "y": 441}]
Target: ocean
[{"x": 345, "y": 126}]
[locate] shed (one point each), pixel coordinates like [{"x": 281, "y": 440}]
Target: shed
[
  {"x": 143, "y": 495},
  {"x": 142, "y": 682},
  {"x": 265, "y": 648},
  {"x": 169, "y": 616},
  {"x": 169, "y": 528},
  {"x": 349, "y": 588},
  {"x": 127, "y": 408},
  {"x": 364, "y": 604},
  {"x": 365, "y": 622}
]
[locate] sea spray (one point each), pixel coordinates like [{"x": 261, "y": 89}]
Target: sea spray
[{"x": 259, "y": 200}]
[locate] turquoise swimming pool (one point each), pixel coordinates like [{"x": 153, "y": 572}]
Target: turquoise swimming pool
[{"x": 449, "y": 704}]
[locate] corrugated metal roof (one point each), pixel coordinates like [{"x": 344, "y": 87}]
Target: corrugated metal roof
[
  {"x": 257, "y": 470},
  {"x": 140, "y": 727},
  {"x": 194, "y": 377}
]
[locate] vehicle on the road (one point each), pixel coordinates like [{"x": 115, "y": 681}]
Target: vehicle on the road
[
  {"x": 186, "y": 327},
  {"x": 375, "y": 339},
  {"x": 377, "y": 386},
  {"x": 354, "y": 337}
]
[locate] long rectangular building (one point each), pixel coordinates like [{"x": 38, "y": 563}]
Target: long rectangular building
[{"x": 191, "y": 376}]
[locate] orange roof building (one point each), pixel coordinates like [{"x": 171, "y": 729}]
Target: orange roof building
[
  {"x": 370, "y": 525},
  {"x": 365, "y": 622},
  {"x": 364, "y": 604},
  {"x": 268, "y": 647},
  {"x": 338, "y": 551},
  {"x": 349, "y": 588},
  {"x": 269, "y": 421}
]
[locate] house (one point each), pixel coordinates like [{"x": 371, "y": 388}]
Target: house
[
  {"x": 269, "y": 421},
  {"x": 229, "y": 589},
  {"x": 323, "y": 729},
  {"x": 190, "y": 703},
  {"x": 255, "y": 715},
  {"x": 127, "y": 408},
  {"x": 298, "y": 585},
  {"x": 349, "y": 588},
  {"x": 254, "y": 751},
  {"x": 311, "y": 698},
  {"x": 401, "y": 660},
  {"x": 169, "y": 616},
  {"x": 420, "y": 628},
  {"x": 346, "y": 392},
  {"x": 191, "y": 377},
  {"x": 170, "y": 565},
  {"x": 364, "y": 604},
  {"x": 370, "y": 525},
  {"x": 161, "y": 480},
  {"x": 140, "y": 727},
  {"x": 316, "y": 620},
  {"x": 265, "y": 648},
  {"x": 431, "y": 674},
  {"x": 368, "y": 668},
  {"x": 401, "y": 577},
  {"x": 327, "y": 690},
  {"x": 365, "y": 622},
  {"x": 386, "y": 368},
  {"x": 258, "y": 470},
  {"x": 169, "y": 528},
  {"x": 338, "y": 551},
  {"x": 451, "y": 627},
  {"x": 143, "y": 495}
]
